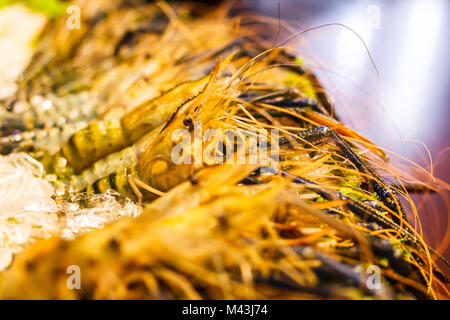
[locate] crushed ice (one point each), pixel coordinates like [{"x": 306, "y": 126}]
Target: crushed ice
[{"x": 28, "y": 212}]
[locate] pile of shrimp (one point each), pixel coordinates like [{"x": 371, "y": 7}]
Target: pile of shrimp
[{"x": 251, "y": 188}]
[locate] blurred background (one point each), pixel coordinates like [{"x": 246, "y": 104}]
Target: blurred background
[{"x": 407, "y": 107}]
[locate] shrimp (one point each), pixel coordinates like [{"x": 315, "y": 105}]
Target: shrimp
[
  {"x": 105, "y": 137},
  {"x": 157, "y": 170},
  {"x": 114, "y": 166},
  {"x": 57, "y": 84},
  {"x": 124, "y": 181},
  {"x": 222, "y": 240}
]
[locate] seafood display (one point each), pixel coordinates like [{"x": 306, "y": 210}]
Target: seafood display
[{"x": 249, "y": 184}]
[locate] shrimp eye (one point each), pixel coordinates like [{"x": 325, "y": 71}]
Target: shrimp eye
[{"x": 188, "y": 122}]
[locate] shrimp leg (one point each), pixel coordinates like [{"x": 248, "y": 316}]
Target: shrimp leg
[
  {"x": 360, "y": 209},
  {"x": 388, "y": 196},
  {"x": 135, "y": 183}
]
